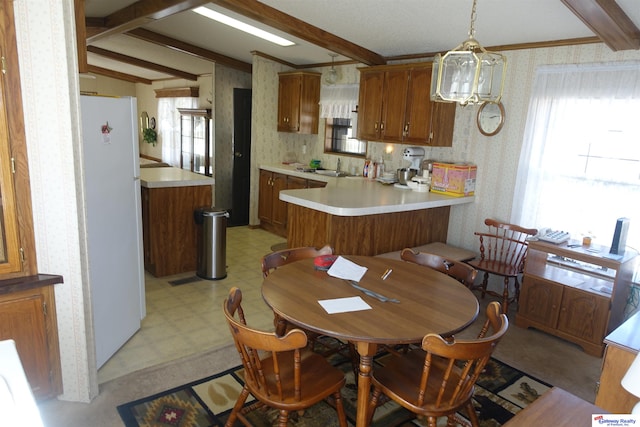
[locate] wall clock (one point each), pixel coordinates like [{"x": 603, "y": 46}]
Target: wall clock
[{"x": 490, "y": 118}]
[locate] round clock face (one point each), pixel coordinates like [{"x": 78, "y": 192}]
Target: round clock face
[{"x": 490, "y": 118}]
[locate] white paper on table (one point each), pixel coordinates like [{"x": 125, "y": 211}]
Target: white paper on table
[
  {"x": 344, "y": 305},
  {"x": 342, "y": 268}
]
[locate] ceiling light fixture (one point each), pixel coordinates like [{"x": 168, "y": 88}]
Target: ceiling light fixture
[
  {"x": 224, "y": 19},
  {"x": 468, "y": 74},
  {"x": 332, "y": 74}
]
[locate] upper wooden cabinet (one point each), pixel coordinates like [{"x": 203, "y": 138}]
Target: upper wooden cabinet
[
  {"x": 395, "y": 106},
  {"x": 298, "y": 102},
  {"x": 17, "y": 243}
]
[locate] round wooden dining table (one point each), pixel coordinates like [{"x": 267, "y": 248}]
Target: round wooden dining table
[{"x": 429, "y": 302}]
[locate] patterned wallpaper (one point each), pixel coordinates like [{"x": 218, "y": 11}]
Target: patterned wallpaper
[{"x": 50, "y": 88}]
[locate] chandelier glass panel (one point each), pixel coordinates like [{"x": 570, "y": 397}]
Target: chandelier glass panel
[{"x": 468, "y": 74}]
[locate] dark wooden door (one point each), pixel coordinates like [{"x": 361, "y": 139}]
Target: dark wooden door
[{"x": 239, "y": 214}]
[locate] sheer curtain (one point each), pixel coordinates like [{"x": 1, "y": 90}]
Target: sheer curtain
[
  {"x": 579, "y": 167},
  {"x": 169, "y": 126}
]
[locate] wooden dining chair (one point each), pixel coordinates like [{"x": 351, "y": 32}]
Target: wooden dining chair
[
  {"x": 503, "y": 249},
  {"x": 460, "y": 271},
  {"x": 280, "y": 372},
  {"x": 439, "y": 379},
  {"x": 282, "y": 257},
  {"x": 277, "y": 259}
]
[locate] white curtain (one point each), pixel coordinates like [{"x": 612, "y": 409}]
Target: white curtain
[
  {"x": 579, "y": 166},
  {"x": 169, "y": 126},
  {"x": 338, "y": 101}
]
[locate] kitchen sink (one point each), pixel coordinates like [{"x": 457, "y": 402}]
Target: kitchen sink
[{"x": 329, "y": 172}]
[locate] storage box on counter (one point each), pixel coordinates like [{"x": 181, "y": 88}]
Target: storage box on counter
[{"x": 454, "y": 179}]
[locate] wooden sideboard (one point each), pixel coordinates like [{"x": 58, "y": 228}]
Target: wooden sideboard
[
  {"x": 556, "y": 408},
  {"x": 577, "y": 293},
  {"x": 623, "y": 345}
]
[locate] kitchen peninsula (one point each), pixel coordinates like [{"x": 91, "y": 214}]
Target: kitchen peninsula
[
  {"x": 363, "y": 217},
  {"x": 169, "y": 197}
]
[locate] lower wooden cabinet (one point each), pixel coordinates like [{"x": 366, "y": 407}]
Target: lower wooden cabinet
[
  {"x": 272, "y": 211},
  {"x": 28, "y": 316},
  {"x": 569, "y": 313}
]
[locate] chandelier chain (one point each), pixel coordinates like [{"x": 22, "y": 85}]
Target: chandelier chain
[{"x": 472, "y": 30}]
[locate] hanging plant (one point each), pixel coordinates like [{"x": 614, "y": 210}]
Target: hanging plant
[{"x": 150, "y": 136}]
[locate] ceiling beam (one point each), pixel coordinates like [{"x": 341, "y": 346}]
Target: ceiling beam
[
  {"x": 140, "y": 13},
  {"x": 189, "y": 49},
  {"x": 117, "y": 75},
  {"x": 274, "y": 18},
  {"x": 141, "y": 63},
  {"x": 607, "y": 20}
]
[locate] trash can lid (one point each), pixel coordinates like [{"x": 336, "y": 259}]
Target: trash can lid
[{"x": 213, "y": 212}]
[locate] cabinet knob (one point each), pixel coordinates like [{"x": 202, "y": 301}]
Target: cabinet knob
[
  {"x": 375, "y": 125},
  {"x": 381, "y": 125}
]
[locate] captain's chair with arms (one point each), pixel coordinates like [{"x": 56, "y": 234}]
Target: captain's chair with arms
[
  {"x": 439, "y": 379},
  {"x": 503, "y": 249}
]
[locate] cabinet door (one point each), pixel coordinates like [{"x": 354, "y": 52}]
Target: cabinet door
[
  {"x": 540, "y": 301},
  {"x": 265, "y": 196},
  {"x": 309, "y": 105},
  {"x": 316, "y": 184},
  {"x": 584, "y": 315},
  {"x": 22, "y": 319},
  {"x": 393, "y": 105},
  {"x": 294, "y": 183},
  {"x": 370, "y": 105},
  {"x": 417, "y": 117},
  {"x": 443, "y": 115},
  {"x": 289, "y": 92},
  {"x": 279, "y": 217}
]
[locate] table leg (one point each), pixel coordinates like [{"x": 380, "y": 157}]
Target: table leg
[{"x": 366, "y": 352}]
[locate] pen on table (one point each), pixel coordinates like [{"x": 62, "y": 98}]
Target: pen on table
[{"x": 386, "y": 274}]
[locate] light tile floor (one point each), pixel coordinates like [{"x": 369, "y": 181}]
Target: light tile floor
[{"x": 187, "y": 319}]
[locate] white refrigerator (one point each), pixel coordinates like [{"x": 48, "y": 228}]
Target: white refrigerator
[{"x": 114, "y": 220}]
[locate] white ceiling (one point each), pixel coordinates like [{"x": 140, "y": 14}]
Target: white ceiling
[{"x": 389, "y": 28}]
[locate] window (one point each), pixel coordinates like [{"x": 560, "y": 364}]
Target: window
[
  {"x": 580, "y": 163},
  {"x": 339, "y": 138},
  {"x": 169, "y": 126},
  {"x": 338, "y": 104}
]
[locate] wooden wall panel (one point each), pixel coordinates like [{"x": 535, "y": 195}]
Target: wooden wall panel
[{"x": 367, "y": 234}]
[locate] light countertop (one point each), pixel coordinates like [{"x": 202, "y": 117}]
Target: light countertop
[
  {"x": 172, "y": 177},
  {"x": 359, "y": 196}
]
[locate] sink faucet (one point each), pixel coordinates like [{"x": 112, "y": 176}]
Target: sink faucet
[{"x": 338, "y": 165}]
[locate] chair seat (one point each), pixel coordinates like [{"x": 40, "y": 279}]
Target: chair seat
[
  {"x": 400, "y": 378},
  {"x": 495, "y": 267},
  {"x": 317, "y": 376}
]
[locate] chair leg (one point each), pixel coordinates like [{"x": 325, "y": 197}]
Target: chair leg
[
  {"x": 505, "y": 296},
  {"x": 283, "y": 419},
  {"x": 342, "y": 416},
  {"x": 237, "y": 407},
  {"x": 473, "y": 416},
  {"x": 432, "y": 421},
  {"x": 373, "y": 402},
  {"x": 485, "y": 281}
]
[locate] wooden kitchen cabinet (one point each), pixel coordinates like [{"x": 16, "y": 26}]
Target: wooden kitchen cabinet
[
  {"x": 394, "y": 106},
  {"x": 573, "y": 293},
  {"x": 272, "y": 211},
  {"x": 298, "y": 102},
  {"x": 28, "y": 316}
]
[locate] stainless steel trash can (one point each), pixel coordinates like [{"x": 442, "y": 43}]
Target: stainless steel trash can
[{"x": 212, "y": 242}]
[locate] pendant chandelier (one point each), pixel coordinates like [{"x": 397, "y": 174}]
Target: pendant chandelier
[
  {"x": 332, "y": 74},
  {"x": 468, "y": 74}
]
